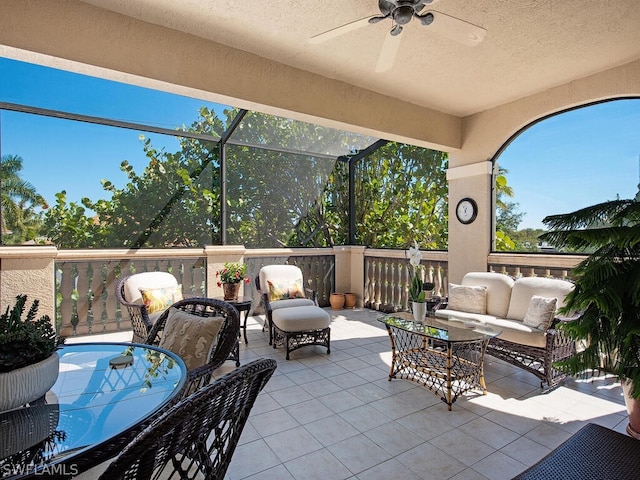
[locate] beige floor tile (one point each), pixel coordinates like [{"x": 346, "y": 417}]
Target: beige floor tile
[
  {"x": 338, "y": 417},
  {"x": 359, "y": 453}
]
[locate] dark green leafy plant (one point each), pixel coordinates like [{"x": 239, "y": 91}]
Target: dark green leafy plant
[
  {"x": 28, "y": 341},
  {"x": 607, "y": 287}
]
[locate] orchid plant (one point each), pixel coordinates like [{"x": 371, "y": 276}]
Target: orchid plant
[
  {"x": 418, "y": 288},
  {"x": 416, "y": 293}
]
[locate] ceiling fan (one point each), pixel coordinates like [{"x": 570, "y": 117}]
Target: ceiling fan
[{"x": 401, "y": 12}]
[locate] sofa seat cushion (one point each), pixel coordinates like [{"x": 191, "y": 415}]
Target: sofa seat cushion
[
  {"x": 512, "y": 330},
  {"x": 298, "y": 319},
  {"x": 291, "y": 302},
  {"x": 456, "y": 314},
  {"x": 517, "y": 332}
]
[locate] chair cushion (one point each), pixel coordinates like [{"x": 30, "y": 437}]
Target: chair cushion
[
  {"x": 285, "y": 290},
  {"x": 291, "y": 302},
  {"x": 159, "y": 299},
  {"x": 147, "y": 280},
  {"x": 297, "y": 319},
  {"x": 540, "y": 312},
  {"x": 279, "y": 274},
  {"x": 190, "y": 336},
  {"x": 472, "y": 299}
]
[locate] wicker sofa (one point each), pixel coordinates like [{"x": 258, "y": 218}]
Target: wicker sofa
[{"x": 525, "y": 310}]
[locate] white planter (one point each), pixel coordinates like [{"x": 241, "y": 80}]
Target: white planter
[
  {"x": 419, "y": 310},
  {"x": 29, "y": 383}
]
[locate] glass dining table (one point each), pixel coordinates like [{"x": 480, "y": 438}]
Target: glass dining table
[{"x": 104, "y": 395}]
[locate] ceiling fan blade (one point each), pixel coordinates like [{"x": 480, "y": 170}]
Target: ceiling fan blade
[
  {"x": 338, "y": 31},
  {"x": 388, "y": 53},
  {"x": 456, "y": 29}
]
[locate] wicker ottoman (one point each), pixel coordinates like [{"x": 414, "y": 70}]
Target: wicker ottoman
[{"x": 298, "y": 327}]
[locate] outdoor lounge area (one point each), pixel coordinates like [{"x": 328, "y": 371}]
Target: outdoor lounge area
[
  {"x": 337, "y": 416},
  {"x": 161, "y": 138}
]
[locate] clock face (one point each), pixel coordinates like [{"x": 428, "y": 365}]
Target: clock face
[{"x": 467, "y": 210}]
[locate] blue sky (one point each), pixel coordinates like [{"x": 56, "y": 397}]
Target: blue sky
[{"x": 566, "y": 162}]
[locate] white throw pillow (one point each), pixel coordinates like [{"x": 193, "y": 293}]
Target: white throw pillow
[
  {"x": 540, "y": 312},
  {"x": 471, "y": 299},
  {"x": 190, "y": 336}
]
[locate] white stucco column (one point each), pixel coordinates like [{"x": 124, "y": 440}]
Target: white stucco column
[
  {"x": 29, "y": 271},
  {"x": 350, "y": 270},
  {"x": 470, "y": 244}
]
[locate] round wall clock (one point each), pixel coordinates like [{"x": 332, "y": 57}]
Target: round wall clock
[{"x": 467, "y": 210}]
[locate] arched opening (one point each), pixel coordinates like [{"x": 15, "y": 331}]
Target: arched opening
[{"x": 563, "y": 162}]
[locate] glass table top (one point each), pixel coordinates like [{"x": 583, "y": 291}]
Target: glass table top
[
  {"x": 91, "y": 403},
  {"x": 452, "y": 330}
]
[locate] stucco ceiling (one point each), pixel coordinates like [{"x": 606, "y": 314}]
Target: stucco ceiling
[{"x": 529, "y": 46}]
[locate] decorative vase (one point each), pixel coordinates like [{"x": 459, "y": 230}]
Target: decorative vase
[
  {"x": 337, "y": 301},
  {"x": 27, "y": 384},
  {"x": 633, "y": 410},
  {"x": 419, "y": 310},
  {"x": 349, "y": 300},
  {"x": 231, "y": 291}
]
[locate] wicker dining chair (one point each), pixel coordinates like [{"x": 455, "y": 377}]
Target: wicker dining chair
[
  {"x": 196, "y": 437},
  {"x": 223, "y": 346}
]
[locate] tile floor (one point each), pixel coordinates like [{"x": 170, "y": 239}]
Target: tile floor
[{"x": 337, "y": 416}]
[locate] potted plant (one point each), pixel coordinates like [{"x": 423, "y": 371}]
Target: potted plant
[
  {"x": 417, "y": 294},
  {"x": 607, "y": 292},
  {"x": 231, "y": 277},
  {"x": 28, "y": 362}
]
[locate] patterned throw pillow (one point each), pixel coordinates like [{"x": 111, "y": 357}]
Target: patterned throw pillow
[
  {"x": 280, "y": 291},
  {"x": 190, "y": 336},
  {"x": 467, "y": 298},
  {"x": 159, "y": 299},
  {"x": 540, "y": 312}
]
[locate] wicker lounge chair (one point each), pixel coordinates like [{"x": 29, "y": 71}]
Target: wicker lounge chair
[
  {"x": 128, "y": 293},
  {"x": 294, "y": 318},
  {"x": 196, "y": 437}
]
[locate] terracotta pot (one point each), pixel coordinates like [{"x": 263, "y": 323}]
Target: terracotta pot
[
  {"x": 337, "y": 301},
  {"x": 349, "y": 300},
  {"x": 231, "y": 290},
  {"x": 633, "y": 410}
]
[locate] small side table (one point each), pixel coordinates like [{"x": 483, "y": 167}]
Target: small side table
[{"x": 242, "y": 304}]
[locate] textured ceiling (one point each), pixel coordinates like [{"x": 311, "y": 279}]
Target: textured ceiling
[{"x": 529, "y": 46}]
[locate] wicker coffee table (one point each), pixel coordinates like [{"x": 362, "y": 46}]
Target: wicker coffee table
[{"x": 446, "y": 357}]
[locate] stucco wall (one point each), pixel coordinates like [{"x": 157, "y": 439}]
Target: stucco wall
[{"x": 33, "y": 276}]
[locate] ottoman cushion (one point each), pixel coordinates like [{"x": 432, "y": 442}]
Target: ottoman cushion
[{"x": 298, "y": 319}]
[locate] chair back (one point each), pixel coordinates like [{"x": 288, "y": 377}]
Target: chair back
[
  {"x": 279, "y": 274},
  {"x": 223, "y": 345},
  {"x": 133, "y": 283},
  {"x": 197, "y": 436},
  {"x": 130, "y": 297}
]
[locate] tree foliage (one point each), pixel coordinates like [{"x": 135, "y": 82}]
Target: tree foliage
[
  {"x": 21, "y": 203},
  {"x": 508, "y": 218},
  {"x": 285, "y": 187}
]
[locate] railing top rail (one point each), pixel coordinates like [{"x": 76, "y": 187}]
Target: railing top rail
[
  {"x": 434, "y": 255},
  {"x": 291, "y": 252},
  {"x": 118, "y": 254}
]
